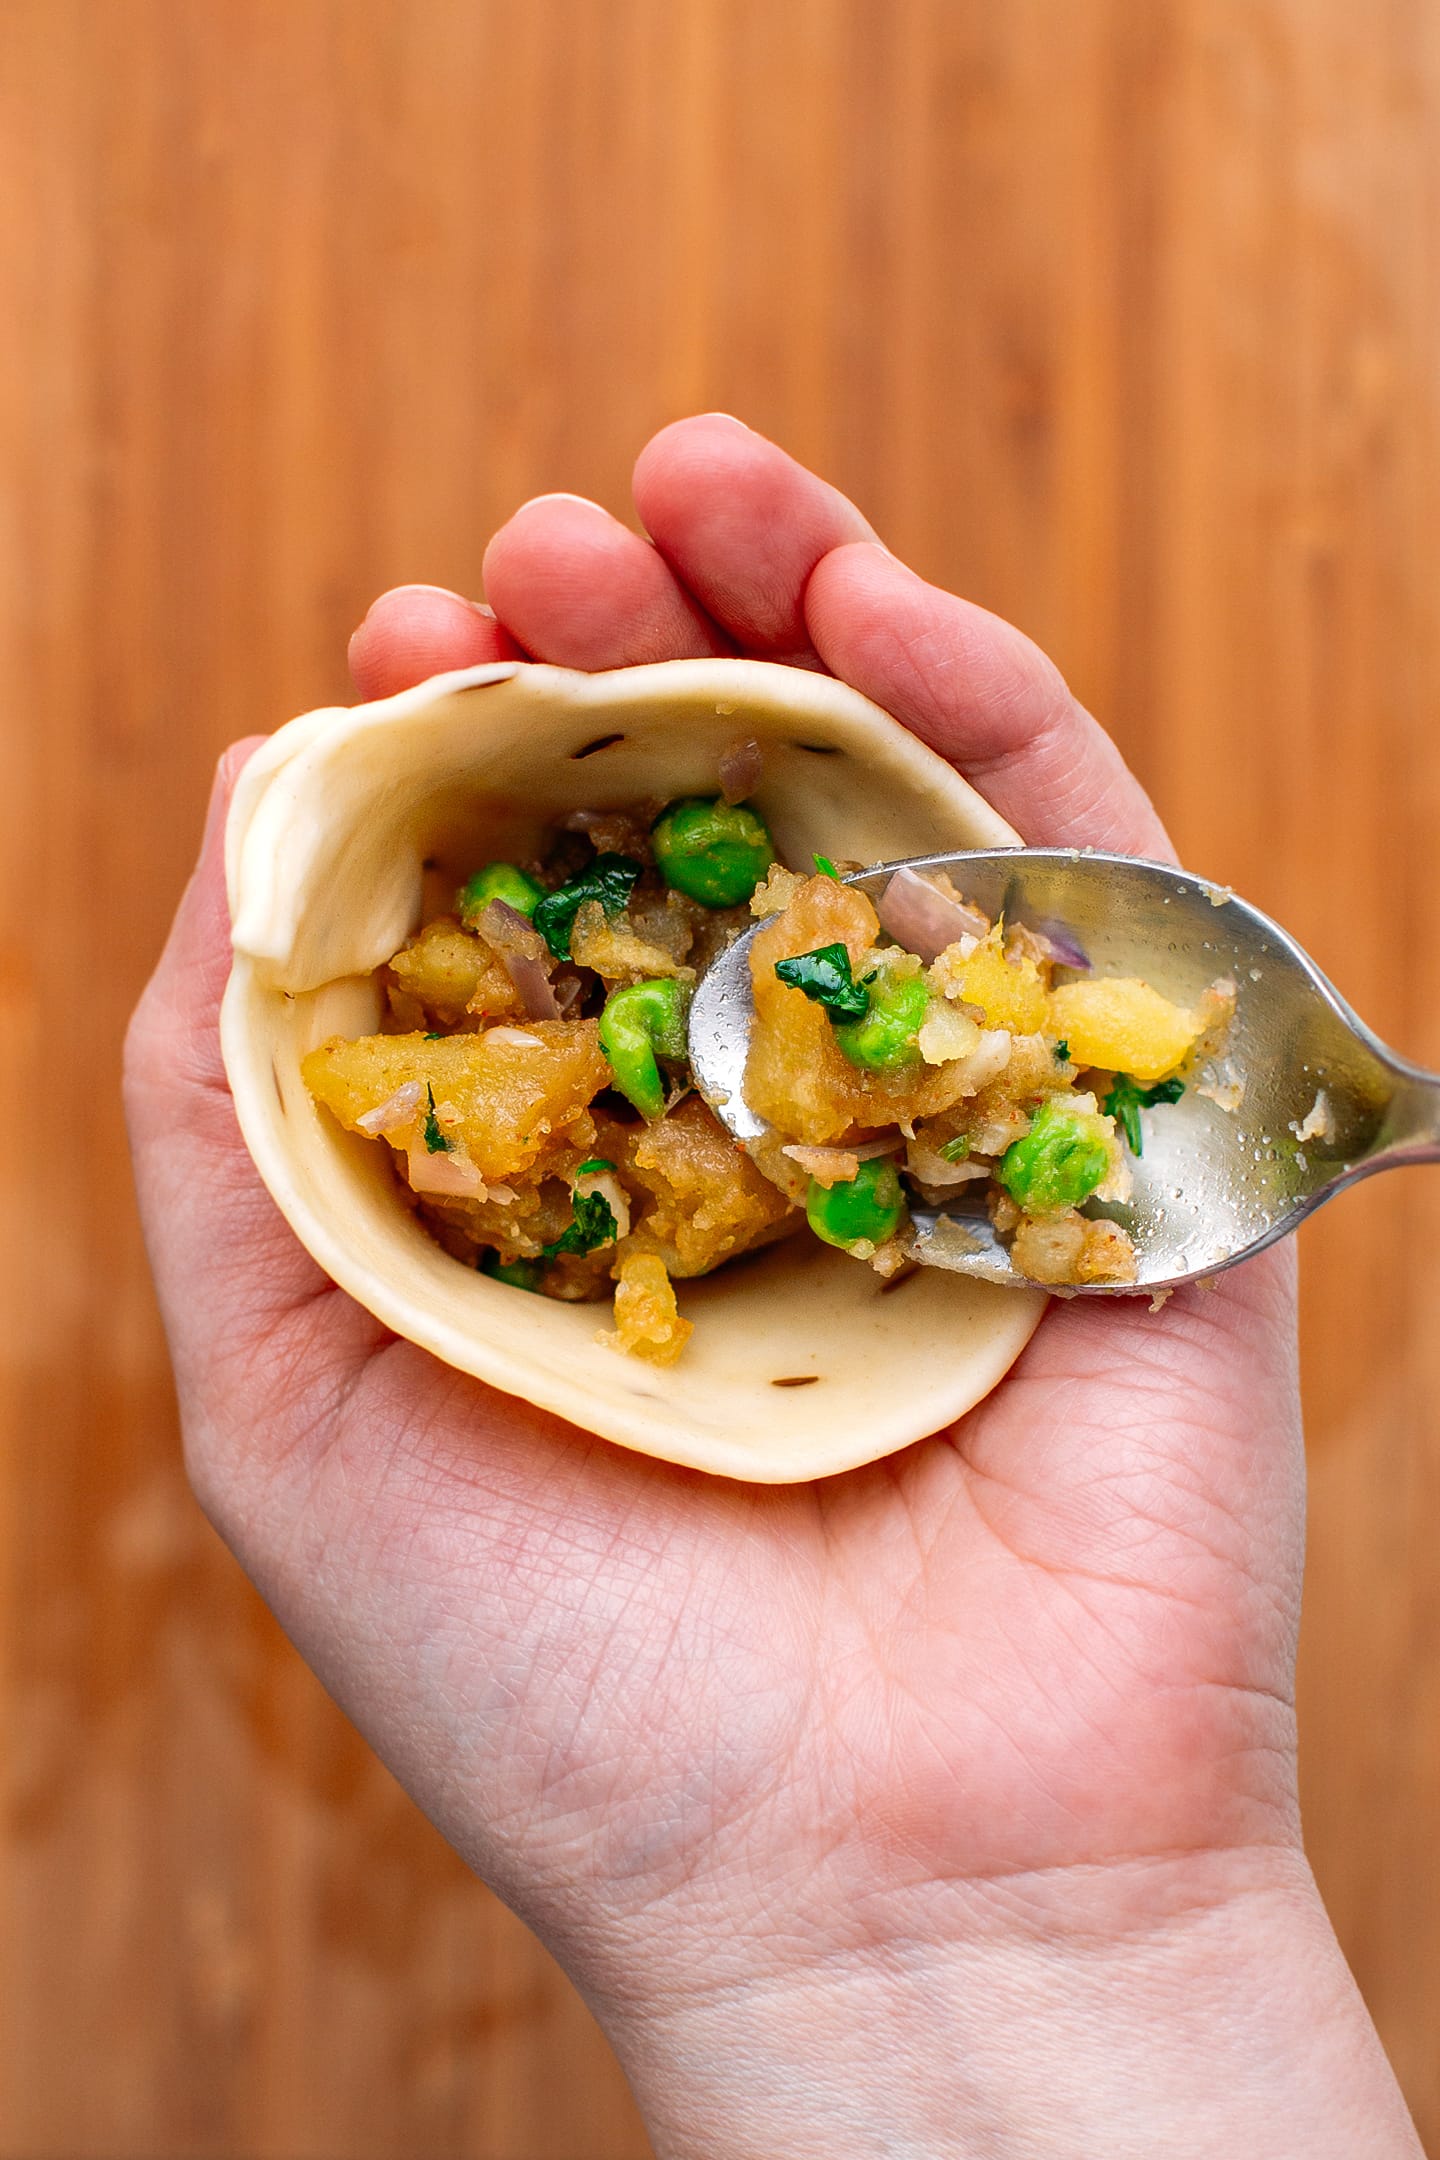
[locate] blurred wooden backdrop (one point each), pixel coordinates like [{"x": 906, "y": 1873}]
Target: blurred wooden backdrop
[{"x": 1123, "y": 318}]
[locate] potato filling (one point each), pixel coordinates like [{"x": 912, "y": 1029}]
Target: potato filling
[{"x": 531, "y": 1082}]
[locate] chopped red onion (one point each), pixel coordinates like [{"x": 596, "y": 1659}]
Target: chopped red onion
[
  {"x": 522, "y": 949},
  {"x": 923, "y": 920},
  {"x": 827, "y": 1165},
  {"x": 506, "y": 929},
  {"x": 1061, "y": 945},
  {"x": 396, "y": 1110},
  {"x": 444, "y": 1173},
  {"x": 622, "y": 832},
  {"x": 838, "y": 1165},
  {"x": 537, "y": 995},
  {"x": 740, "y": 766},
  {"x": 513, "y": 1038}
]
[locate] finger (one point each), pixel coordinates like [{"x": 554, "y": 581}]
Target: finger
[
  {"x": 978, "y": 691},
  {"x": 742, "y": 525},
  {"x": 416, "y": 631},
  {"x": 578, "y": 588}
]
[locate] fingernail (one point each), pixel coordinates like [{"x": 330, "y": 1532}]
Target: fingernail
[
  {"x": 733, "y": 418},
  {"x": 395, "y": 592},
  {"x": 555, "y": 495}
]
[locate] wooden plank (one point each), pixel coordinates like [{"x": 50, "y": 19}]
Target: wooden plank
[{"x": 1122, "y": 320}]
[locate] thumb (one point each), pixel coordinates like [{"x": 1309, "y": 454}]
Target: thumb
[
  {"x": 172, "y": 1050},
  {"x": 226, "y": 1263}
]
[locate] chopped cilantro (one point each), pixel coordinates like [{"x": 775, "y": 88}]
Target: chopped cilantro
[
  {"x": 1062, "y": 1052},
  {"x": 610, "y": 879},
  {"x": 596, "y": 1162},
  {"x": 824, "y": 976},
  {"x": 1127, "y": 1099},
  {"x": 826, "y": 868},
  {"x": 438, "y": 1036},
  {"x": 594, "y": 1225},
  {"x": 957, "y": 1149},
  {"x": 435, "y": 1140},
  {"x": 519, "y": 1274}
]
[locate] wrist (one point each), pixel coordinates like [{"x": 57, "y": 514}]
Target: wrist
[{"x": 1201, "y": 2024}]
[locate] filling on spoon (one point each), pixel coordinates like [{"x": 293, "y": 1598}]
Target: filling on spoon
[{"x": 531, "y": 1082}]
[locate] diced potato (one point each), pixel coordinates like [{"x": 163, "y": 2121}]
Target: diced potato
[
  {"x": 506, "y": 1103},
  {"x": 1122, "y": 1025},
  {"x": 616, "y": 949},
  {"x": 1049, "y": 1251},
  {"x": 648, "y": 1323},
  {"x": 948, "y": 1033},
  {"x": 776, "y": 890},
  {"x": 702, "y": 1200},
  {"x": 518, "y": 1227},
  {"x": 450, "y": 972},
  {"x": 1109, "y": 1256},
  {"x": 1070, "y": 1249},
  {"x": 1010, "y": 992},
  {"x": 796, "y": 1074}
]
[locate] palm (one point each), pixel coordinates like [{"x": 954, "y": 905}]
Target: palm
[{"x": 1039, "y": 1640}]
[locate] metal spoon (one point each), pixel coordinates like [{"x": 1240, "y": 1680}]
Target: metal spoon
[{"x": 1214, "y": 1184}]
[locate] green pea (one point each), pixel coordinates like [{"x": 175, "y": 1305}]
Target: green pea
[
  {"x": 712, "y": 851},
  {"x": 641, "y": 1024},
  {"x": 498, "y": 881},
  {"x": 870, "y": 1206},
  {"x": 1059, "y": 1163},
  {"x": 520, "y": 1274},
  {"x": 885, "y": 1038}
]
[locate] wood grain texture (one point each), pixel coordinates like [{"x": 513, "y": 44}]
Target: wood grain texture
[{"x": 1122, "y": 319}]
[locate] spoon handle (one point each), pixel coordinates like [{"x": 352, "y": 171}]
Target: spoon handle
[{"x": 1410, "y": 1130}]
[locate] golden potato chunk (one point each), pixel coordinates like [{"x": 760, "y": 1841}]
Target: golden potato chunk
[
  {"x": 1122, "y": 1025},
  {"x": 648, "y": 1323},
  {"x": 796, "y": 1074},
  {"x": 1069, "y": 1249},
  {"x": 450, "y": 972},
  {"x": 702, "y": 1199},
  {"x": 617, "y": 948},
  {"x": 505, "y": 1098},
  {"x": 1008, "y": 989}
]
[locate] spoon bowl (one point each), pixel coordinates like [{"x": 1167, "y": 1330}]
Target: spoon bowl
[{"x": 1302, "y": 1100}]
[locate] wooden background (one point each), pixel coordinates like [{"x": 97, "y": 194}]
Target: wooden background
[{"x": 1123, "y": 318}]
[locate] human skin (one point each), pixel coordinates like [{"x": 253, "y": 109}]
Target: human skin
[{"x": 945, "y": 1807}]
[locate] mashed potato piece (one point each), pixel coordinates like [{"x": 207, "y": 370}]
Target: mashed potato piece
[
  {"x": 1122, "y": 1025},
  {"x": 648, "y": 1322}
]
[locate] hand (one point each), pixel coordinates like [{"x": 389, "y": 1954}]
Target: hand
[{"x": 780, "y": 1771}]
